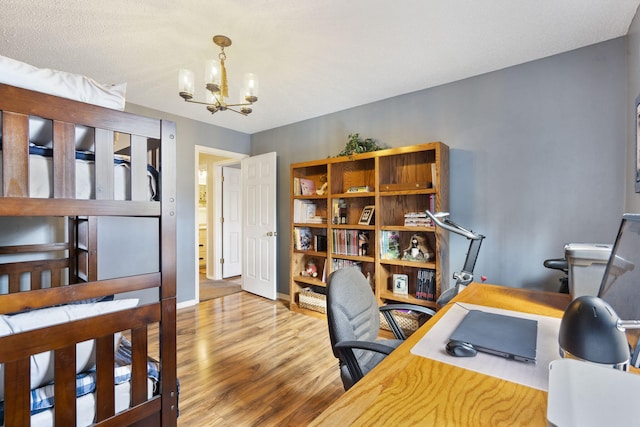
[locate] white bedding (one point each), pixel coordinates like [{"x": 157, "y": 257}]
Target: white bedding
[{"x": 61, "y": 83}]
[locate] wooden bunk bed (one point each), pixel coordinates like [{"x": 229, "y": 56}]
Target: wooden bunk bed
[{"x": 61, "y": 274}]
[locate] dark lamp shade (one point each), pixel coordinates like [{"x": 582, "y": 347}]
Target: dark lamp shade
[{"x": 589, "y": 331}]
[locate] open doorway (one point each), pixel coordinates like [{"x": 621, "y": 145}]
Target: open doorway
[{"x": 212, "y": 246}]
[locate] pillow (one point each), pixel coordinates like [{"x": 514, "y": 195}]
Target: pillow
[
  {"x": 60, "y": 83},
  {"x": 42, "y": 364}
]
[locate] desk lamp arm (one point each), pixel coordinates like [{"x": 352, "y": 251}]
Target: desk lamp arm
[
  {"x": 449, "y": 225},
  {"x": 464, "y": 277},
  {"x": 623, "y": 325}
]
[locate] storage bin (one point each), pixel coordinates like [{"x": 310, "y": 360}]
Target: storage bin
[
  {"x": 311, "y": 300},
  {"x": 586, "y": 264},
  {"x": 409, "y": 321}
]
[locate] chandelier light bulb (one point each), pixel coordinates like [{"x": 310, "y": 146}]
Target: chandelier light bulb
[
  {"x": 185, "y": 83},
  {"x": 250, "y": 87},
  {"x": 212, "y": 75},
  {"x": 210, "y": 97}
]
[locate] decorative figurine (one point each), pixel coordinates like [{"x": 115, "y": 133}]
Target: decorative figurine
[
  {"x": 325, "y": 184},
  {"x": 310, "y": 269},
  {"x": 418, "y": 249}
]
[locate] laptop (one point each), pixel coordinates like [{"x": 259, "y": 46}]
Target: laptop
[
  {"x": 500, "y": 335},
  {"x": 620, "y": 285}
]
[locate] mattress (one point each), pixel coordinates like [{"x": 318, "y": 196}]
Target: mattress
[
  {"x": 86, "y": 406},
  {"x": 41, "y": 176}
]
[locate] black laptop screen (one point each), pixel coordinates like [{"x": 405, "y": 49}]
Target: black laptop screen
[
  {"x": 472, "y": 255},
  {"x": 621, "y": 281}
]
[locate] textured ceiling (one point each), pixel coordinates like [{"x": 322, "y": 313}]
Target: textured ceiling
[{"x": 312, "y": 57}]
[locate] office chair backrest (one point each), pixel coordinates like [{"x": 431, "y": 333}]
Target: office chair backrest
[
  {"x": 352, "y": 309},
  {"x": 353, "y": 317}
]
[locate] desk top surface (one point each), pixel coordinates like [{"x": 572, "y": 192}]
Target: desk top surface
[{"x": 406, "y": 389}]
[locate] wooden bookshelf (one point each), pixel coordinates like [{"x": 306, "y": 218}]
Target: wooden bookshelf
[{"x": 395, "y": 181}]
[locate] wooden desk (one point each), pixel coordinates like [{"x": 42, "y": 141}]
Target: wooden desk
[{"x": 409, "y": 390}]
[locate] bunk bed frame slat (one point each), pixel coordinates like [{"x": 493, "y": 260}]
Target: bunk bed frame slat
[
  {"x": 64, "y": 182},
  {"x": 104, "y": 164},
  {"x": 138, "y": 167},
  {"x": 65, "y": 385},
  {"x": 17, "y": 404},
  {"x": 15, "y": 155},
  {"x": 105, "y": 397}
]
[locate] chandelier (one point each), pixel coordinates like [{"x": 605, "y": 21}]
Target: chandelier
[{"x": 217, "y": 84}]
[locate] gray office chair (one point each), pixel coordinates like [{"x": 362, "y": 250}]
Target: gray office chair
[{"x": 354, "y": 324}]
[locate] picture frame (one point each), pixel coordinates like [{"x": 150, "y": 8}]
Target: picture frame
[
  {"x": 400, "y": 284},
  {"x": 367, "y": 215}
]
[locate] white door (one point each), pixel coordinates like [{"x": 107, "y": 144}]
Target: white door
[
  {"x": 232, "y": 222},
  {"x": 259, "y": 225}
]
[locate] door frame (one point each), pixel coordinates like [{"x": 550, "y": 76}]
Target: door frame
[{"x": 214, "y": 208}]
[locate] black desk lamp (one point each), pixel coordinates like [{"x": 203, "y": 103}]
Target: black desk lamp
[{"x": 591, "y": 330}]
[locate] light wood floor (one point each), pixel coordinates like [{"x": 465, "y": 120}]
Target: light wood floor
[{"x": 247, "y": 361}]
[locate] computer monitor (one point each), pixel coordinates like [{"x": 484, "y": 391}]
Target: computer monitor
[{"x": 620, "y": 285}]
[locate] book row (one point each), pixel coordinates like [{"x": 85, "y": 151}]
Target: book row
[
  {"x": 350, "y": 242},
  {"x": 305, "y": 240}
]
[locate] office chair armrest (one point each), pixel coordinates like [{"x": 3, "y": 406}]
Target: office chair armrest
[
  {"x": 386, "y": 311},
  {"x": 345, "y": 350},
  {"x": 364, "y": 345}
]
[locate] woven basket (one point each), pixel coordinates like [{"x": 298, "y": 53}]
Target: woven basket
[
  {"x": 408, "y": 322},
  {"x": 312, "y": 301}
]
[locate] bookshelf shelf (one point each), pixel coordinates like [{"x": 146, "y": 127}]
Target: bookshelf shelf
[
  {"x": 309, "y": 281},
  {"x": 399, "y": 181},
  {"x": 352, "y": 227},
  {"x": 407, "y": 228},
  {"x": 356, "y": 258},
  {"x": 311, "y": 253},
  {"x": 353, "y": 195},
  {"x": 412, "y": 264},
  {"x": 311, "y": 197},
  {"x": 409, "y": 299},
  {"x": 407, "y": 192}
]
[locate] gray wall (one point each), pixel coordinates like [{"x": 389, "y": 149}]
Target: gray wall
[
  {"x": 632, "y": 200},
  {"x": 192, "y": 133},
  {"x": 126, "y": 247},
  {"x": 537, "y": 156}
]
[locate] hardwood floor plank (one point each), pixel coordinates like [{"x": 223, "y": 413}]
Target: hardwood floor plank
[{"x": 247, "y": 361}]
